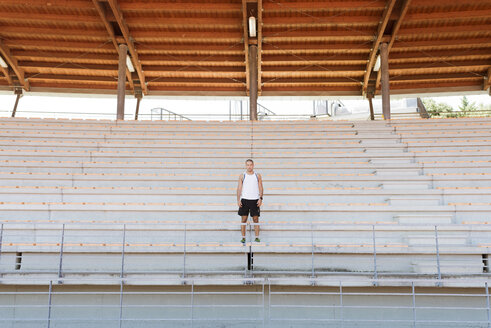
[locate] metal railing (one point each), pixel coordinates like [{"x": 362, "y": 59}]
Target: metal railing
[
  {"x": 422, "y": 109},
  {"x": 325, "y": 249},
  {"x": 161, "y": 114},
  {"x": 166, "y": 116},
  {"x": 258, "y": 302},
  {"x": 264, "y": 112}
]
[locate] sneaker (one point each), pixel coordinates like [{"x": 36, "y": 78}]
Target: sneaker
[
  {"x": 242, "y": 240},
  {"x": 257, "y": 240}
]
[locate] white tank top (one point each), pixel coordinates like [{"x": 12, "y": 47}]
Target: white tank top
[{"x": 250, "y": 186}]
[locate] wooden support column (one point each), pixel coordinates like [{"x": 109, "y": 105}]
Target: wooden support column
[
  {"x": 384, "y": 66},
  {"x": 19, "y": 93},
  {"x": 370, "y": 95},
  {"x": 372, "y": 115},
  {"x": 138, "y": 99},
  {"x": 253, "y": 81},
  {"x": 123, "y": 51}
]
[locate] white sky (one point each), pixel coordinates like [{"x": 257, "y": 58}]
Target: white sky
[{"x": 107, "y": 105}]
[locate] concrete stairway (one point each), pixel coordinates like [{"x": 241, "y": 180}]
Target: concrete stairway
[{"x": 329, "y": 189}]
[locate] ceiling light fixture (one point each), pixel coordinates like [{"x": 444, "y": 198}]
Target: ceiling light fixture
[
  {"x": 129, "y": 64},
  {"x": 376, "y": 67},
  {"x": 252, "y": 27},
  {"x": 3, "y": 63}
]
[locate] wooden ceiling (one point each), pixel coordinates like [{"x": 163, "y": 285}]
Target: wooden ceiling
[{"x": 198, "y": 47}]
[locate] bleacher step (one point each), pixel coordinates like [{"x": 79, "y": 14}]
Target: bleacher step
[
  {"x": 398, "y": 172},
  {"x": 390, "y": 185},
  {"x": 414, "y": 200},
  {"x": 472, "y": 265},
  {"x": 389, "y": 160},
  {"x": 443, "y": 240},
  {"x": 433, "y": 219}
]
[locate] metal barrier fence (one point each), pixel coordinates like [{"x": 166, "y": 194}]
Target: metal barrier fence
[
  {"x": 172, "y": 116},
  {"x": 315, "y": 249},
  {"x": 255, "y": 302},
  {"x": 164, "y": 117}
]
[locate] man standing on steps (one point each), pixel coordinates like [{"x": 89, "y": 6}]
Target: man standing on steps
[{"x": 250, "y": 197}]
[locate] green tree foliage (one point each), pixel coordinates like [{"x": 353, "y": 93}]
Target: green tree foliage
[
  {"x": 437, "y": 108},
  {"x": 467, "y": 106}
]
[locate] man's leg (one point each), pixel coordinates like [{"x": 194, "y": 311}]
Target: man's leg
[
  {"x": 256, "y": 227},
  {"x": 243, "y": 227}
]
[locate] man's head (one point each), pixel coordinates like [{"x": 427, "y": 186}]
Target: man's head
[{"x": 249, "y": 165}]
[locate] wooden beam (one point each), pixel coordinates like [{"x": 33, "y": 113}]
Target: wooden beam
[
  {"x": 50, "y": 32},
  {"x": 123, "y": 51},
  {"x": 449, "y": 15},
  {"x": 380, "y": 33},
  {"x": 138, "y": 100},
  {"x": 5, "y": 72},
  {"x": 454, "y": 43},
  {"x": 245, "y": 32},
  {"x": 28, "y": 16},
  {"x": 18, "y": 93},
  {"x": 436, "y": 32},
  {"x": 167, "y": 6},
  {"x": 397, "y": 26},
  {"x": 446, "y": 3},
  {"x": 253, "y": 92},
  {"x": 384, "y": 67},
  {"x": 320, "y": 20},
  {"x": 447, "y": 76},
  {"x": 340, "y": 5},
  {"x": 431, "y": 55},
  {"x": 12, "y": 62},
  {"x": 443, "y": 88},
  {"x": 487, "y": 81},
  {"x": 59, "y": 45},
  {"x": 180, "y": 20},
  {"x": 82, "y": 4},
  {"x": 110, "y": 31},
  {"x": 129, "y": 42},
  {"x": 63, "y": 57},
  {"x": 395, "y": 30},
  {"x": 259, "y": 44}
]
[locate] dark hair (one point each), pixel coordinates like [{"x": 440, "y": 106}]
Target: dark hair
[{"x": 250, "y": 160}]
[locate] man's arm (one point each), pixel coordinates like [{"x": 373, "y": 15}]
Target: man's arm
[
  {"x": 239, "y": 190},
  {"x": 261, "y": 189}
]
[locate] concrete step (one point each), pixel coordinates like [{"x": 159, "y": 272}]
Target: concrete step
[
  {"x": 429, "y": 219},
  {"x": 192, "y": 171},
  {"x": 415, "y": 200},
  {"x": 208, "y": 196},
  {"x": 470, "y": 264},
  {"x": 119, "y": 212},
  {"x": 398, "y": 172},
  {"x": 412, "y": 185},
  {"x": 393, "y": 160},
  {"x": 443, "y": 239}
]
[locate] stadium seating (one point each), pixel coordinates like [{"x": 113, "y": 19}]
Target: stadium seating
[{"x": 337, "y": 195}]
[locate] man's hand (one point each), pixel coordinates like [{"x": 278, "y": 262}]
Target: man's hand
[
  {"x": 239, "y": 203},
  {"x": 259, "y": 203}
]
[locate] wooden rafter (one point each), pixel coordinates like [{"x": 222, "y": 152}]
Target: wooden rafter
[
  {"x": 12, "y": 62},
  {"x": 110, "y": 31},
  {"x": 246, "y": 42},
  {"x": 129, "y": 41},
  {"x": 487, "y": 81},
  {"x": 404, "y": 10},
  {"x": 380, "y": 33},
  {"x": 201, "y": 46},
  {"x": 5, "y": 72},
  {"x": 259, "y": 43},
  {"x": 52, "y": 3}
]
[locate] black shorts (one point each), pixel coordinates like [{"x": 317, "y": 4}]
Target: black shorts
[{"x": 249, "y": 206}]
